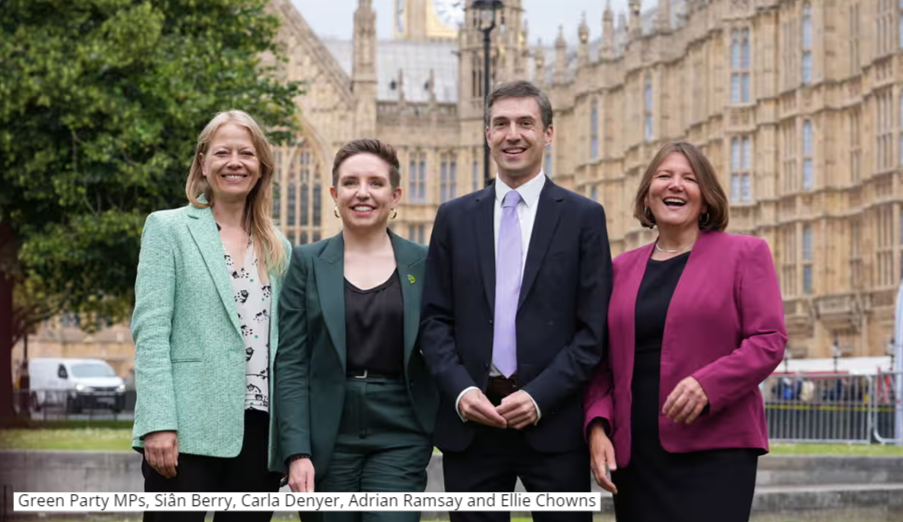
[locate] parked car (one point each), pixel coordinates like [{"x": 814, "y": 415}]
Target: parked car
[{"x": 75, "y": 383}]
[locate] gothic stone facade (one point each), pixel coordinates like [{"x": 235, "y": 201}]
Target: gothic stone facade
[{"x": 797, "y": 103}]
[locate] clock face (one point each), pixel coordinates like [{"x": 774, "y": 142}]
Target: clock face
[
  {"x": 399, "y": 15},
  {"x": 450, "y": 12}
]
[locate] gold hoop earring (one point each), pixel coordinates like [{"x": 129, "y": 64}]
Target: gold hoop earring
[
  {"x": 704, "y": 222},
  {"x": 649, "y": 216},
  {"x": 335, "y": 211},
  {"x": 395, "y": 213}
]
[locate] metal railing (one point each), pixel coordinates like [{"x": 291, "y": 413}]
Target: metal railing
[
  {"x": 842, "y": 408},
  {"x": 83, "y": 404},
  {"x": 839, "y": 408}
]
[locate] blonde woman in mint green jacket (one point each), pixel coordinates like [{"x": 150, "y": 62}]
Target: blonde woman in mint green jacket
[{"x": 205, "y": 325}]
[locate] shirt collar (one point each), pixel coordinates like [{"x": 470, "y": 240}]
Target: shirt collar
[{"x": 529, "y": 191}]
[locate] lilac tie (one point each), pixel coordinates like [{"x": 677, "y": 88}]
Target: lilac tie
[{"x": 507, "y": 287}]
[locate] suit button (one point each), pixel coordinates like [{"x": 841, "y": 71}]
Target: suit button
[
  {"x": 486, "y": 365},
  {"x": 490, "y": 321}
]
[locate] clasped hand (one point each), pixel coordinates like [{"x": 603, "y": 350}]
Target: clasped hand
[
  {"x": 516, "y": 410},
  {"x": 686, "y": 402}
]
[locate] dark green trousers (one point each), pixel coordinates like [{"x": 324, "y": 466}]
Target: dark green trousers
[{"x": 380, "y": 448}]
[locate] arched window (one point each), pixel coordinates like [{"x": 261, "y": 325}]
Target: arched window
[
  {"x": 808, "y": 174},
  {"x": 292, "y": 204},
  {"x": 594, "y": 130},
  {"x": 807, "y": 260},
  {"x": 806, "y": 30},
  {"x": 647, "y": 110},
  {"x": 547, "y": 162}
]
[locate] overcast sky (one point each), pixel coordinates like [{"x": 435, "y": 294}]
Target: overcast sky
[{"x": 335, "y": 17}]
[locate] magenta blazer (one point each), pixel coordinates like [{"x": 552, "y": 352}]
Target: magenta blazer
[{"x": 725, "y": 327}]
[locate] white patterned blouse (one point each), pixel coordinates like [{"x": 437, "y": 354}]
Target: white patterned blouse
[{"x": 252, "y": 301}]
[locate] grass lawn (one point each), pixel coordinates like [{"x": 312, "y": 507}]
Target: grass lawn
[
  {"x": 83, "y": 439},
  {"x": 117, "y": 437},
  {"x": 781, "y": 448}
]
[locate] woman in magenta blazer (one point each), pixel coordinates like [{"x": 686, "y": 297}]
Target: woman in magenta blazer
[{"x": 695, "y": 324}]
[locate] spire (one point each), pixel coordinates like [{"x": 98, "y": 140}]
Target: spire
[
  {"x": 522, "y": 52},
  {"x": 400, "y": 84},
  {"x": 364, "y": 65},
  {"x": 539, "y": 58},
  {"x": 582, "y": 49},
  {"x": 608, "y": 32},
  {"x": 431, "y": 86},
  {"x": 524, "y": 34},
  {"x": 561, "y": 49},
  {"x": 663, "y": 16}
]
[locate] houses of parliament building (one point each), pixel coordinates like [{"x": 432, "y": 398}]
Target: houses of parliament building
[{"x": 797, "y": 103}]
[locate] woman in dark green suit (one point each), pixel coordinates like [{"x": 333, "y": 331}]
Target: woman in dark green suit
[{"x": 355, "y": 401}]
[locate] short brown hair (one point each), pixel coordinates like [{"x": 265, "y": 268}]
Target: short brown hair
[
  {"x": 521, "y": 89},
  {"x": 713, "y": 196},
  {"x": 382, "y": 150}
]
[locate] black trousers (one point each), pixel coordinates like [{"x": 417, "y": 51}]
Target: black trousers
[
  {"x": 248, "y": 472},
  {"x": 494, "y": 461}
]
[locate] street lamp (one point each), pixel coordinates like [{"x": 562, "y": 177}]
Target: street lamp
[
  {"x": 634, "y": 6},
  {"x": 485, "y": 22},
  {"x": 891, "y": 351},
  {"x": 835, "y": 349}
]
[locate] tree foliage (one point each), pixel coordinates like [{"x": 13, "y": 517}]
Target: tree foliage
[{"x": 101, "y": 102}]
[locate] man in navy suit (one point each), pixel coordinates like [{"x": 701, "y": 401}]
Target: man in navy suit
[{"x": 515, "y": 302}]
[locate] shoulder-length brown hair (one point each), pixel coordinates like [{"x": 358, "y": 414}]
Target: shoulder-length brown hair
[
  {"x": 259, "y": 205},
  {"x": 713, "y": 196}
]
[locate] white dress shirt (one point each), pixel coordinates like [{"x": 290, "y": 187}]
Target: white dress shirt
[{"x": 526, "y": 216}]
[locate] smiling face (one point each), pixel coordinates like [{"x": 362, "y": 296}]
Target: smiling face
[
  {"x": 231, "y": 165},
  {"x": 363, "y": 193},
  {"x": 674, "y": 196},
  {"x": 517, "y": 139}
]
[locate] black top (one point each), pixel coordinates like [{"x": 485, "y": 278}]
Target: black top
[
  {"x": 374, "y": 328},
  {"x": 652, "y": 302}
]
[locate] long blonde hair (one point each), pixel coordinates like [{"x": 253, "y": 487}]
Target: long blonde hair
[{"x": 259, "y": 205}]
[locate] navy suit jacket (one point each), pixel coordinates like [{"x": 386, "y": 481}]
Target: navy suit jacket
[{"x": 561, "y": 315}]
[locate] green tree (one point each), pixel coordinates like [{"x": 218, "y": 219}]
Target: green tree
[{"x": 101, "y": 102}]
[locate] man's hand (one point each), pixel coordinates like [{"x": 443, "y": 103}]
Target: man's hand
[
  {"x": 518, "y": 410},
  {"x": 476, "y": 407},
  {"x": 686, "y": 402},
  {"x": 161, "y": 449},
  {"x": 602, "y": 457},
  {"x": 301, "y": 476}
]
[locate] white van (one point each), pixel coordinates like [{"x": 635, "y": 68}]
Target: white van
[{"x": 75, "y": 383}]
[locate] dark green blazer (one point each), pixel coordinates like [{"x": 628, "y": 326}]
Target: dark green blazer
[{"x": 309, "y": 378}]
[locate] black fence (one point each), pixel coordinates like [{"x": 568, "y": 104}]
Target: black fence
[{"x": 75, "y": 404}]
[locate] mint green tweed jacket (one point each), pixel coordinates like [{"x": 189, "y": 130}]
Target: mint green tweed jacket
[{"x": 189, "y": 353}]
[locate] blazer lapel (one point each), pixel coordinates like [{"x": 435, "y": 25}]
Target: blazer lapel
[
  {"x": 203, "y": 230},
  {"x": 275, "y": 287},
  {"x": 626, "y": 291},
  {"x": 410, "y": 272},
  {"x": 484, "y": 232},
  {"x": 692, "y": 279},
  {"x": 329, "y": 268},
  {"x": 547, "y": 216}
]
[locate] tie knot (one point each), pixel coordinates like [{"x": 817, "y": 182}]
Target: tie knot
[{"x": 512, "y": 198}]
